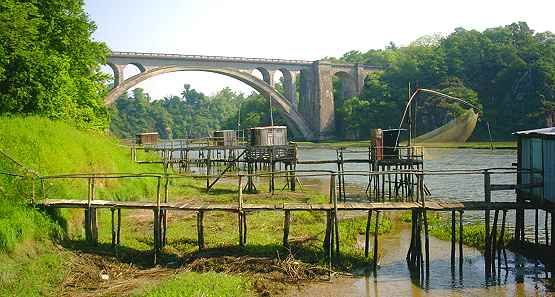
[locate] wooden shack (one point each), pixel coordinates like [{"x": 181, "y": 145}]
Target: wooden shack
[
  {"x": 536, "y": 165},
  {"x": 389, "y": 144},
  {"x": 268, "y": 136},
  {"x": 147, "y": 138},
  {"x": 225, "y": 137}
]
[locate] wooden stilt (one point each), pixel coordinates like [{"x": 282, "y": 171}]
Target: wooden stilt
[
  {"x": 453, "y": 236},
  {"x": 487, "y": 252},
  {"x": 112, "y": 210},
  {"x": 376, "y": 232},
  {"x": 546, "y": 228},
  {"x": 286, "y": 222},
  {"x": 461, "y": 234},
  {"x": 494, "y": 240},
  {"x": 200, "y": 230},
  {"x": 367, "y": 238},
  {"x": 118, "y": 232},
  {"x": 426, "y": 243},
  {"x": 244, "y": 228},
  {"x": 536, "y": 227},
  {"x": 156, "y": 235}
]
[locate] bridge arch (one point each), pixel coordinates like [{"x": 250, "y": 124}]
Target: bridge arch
[
  {"x": 266, "y": 75},
  {"x": 293, "y": 118},
  {"x": 346, "y": 85}
]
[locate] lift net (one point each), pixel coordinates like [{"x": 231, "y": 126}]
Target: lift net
[{"x": 456, "y": 130}]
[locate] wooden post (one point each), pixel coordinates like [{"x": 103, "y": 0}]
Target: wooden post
[
  {"x": 552, "y": 232},
  {"x": 244, "y": 228},
  {"x": 200, "y": 230},
  {"x": 376, "y": 232},
  {"x": 335, "y": 215},
  {"x": 208, "y": 170},
  {"x": 367, "y": 238},
  {"x": 487, "y": 252},
  {"x": 502, "y": 238},
  {"x": 536, "y": 227},
  {"x": 546, "y": 228},
  {"x": 286, "y": 222},
  {"x": 494, "y": 240},
  {"x": 156, "y": 234},
  {"x": 113, "y": 227},
  {"x": 118, "y": 232},
  {"x": 461, "y": 236},
  {"x": 240, "y": 211},
  {"x": 426, "y": 242},
  {"x": 453, "y": 236}
]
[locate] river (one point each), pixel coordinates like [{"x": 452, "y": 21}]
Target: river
[{"x": 522, "y": 277}]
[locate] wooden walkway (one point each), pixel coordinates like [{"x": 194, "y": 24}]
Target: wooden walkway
[{"x": 199, "y": 206}]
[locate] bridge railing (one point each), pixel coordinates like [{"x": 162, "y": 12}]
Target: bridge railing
[{"x": 204, "y": 57}]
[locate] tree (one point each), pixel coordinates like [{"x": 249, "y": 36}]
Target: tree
[{"x": 49, "y": 65}]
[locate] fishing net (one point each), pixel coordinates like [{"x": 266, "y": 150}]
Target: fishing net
[{"x": 456, "y": 130}]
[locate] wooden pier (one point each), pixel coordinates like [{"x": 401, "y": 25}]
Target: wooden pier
[{"x": 414, "y": 202}]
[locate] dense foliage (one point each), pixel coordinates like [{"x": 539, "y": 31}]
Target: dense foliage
[
  {"x": 509, "y": 71},
  {"x": 49, "y": 63},
  {"x": 191, "y": 115}
]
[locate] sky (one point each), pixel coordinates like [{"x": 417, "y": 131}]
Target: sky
[{"x": 287, "y": 29}]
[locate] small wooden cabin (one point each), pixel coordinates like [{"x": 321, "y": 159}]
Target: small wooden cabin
[
  {"x": 147, "y": 138},
  {"x": 268, "y": 136},
  {"x": 385, "y": 143},
  {"x": 536, "y": 164},
  {"x": 225, "y": 137}
]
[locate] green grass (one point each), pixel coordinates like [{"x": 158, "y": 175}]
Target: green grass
[
  {"x": 50, "y": 147},
  {"x": 194, "y": 284},
  {"x": 31, "y": 270}
]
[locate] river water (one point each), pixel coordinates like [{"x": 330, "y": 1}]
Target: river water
[{"x": 521, "y": 277}]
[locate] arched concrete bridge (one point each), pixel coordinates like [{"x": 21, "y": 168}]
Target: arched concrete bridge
[{"x": 311, "y": 116}]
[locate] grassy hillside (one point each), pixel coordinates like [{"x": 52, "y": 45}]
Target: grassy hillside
[
  {"x": 43, "y": 254},
  {"x": 30, "y": 263}
]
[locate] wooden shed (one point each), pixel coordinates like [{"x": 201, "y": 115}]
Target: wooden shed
[
  {"x": 536, "y": 164},
  {"x": 268, "y": 136},
  {"x": 225, "y": 137},
  {"x": 147, "y": 138}
]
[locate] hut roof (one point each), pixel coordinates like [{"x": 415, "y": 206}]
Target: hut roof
[
  {"x": 543, "y": 131},
  {"x": 269, "y": 127}
]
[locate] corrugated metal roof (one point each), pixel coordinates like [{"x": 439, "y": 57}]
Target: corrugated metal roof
[{"x": 543, "y": 131}]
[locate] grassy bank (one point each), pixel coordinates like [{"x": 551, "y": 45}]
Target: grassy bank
[
  {"x": 365, "y": 143},
  {"x": 31, "y": 264},
  {"x": 42, "y": 251}
]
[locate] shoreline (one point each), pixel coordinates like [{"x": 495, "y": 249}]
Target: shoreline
[{"x": 511, "y": 145}]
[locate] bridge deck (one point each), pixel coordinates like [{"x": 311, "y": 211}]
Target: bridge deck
[{"x": 198, "y": 206}]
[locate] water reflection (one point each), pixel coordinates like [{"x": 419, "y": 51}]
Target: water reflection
[{"x": 517, "y": 276}]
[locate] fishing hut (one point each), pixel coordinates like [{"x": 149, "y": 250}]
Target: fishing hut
[
  {"x": 536, "y": 177},
  {"x": 147, "y": 138},
  {"x": 268, "y": 147},
  {"x": 395, "y": 161}
]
